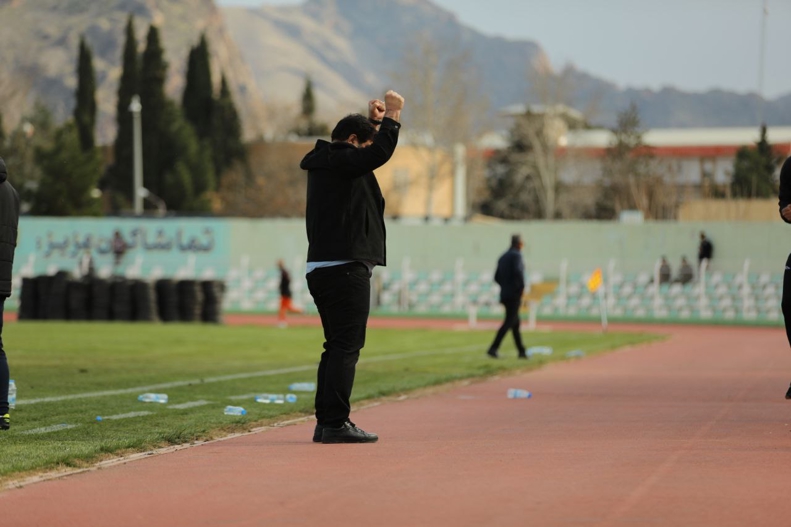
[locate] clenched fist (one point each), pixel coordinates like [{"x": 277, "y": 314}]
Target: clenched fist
[
  {"x": 393, "y": 101},
  {"x": 376, "y": 110}
]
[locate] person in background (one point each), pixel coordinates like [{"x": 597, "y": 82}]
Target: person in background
[
  {"x": 685, "y": 271},
  {"x": 285, "y": 295},
  {"x": 785, "y": 214},
  {"x": 119, "y": 249},
  {"x": 705, "y": 250},
  {"x": 86, "y": 267},
  {"x": 9, "y": 223},
  {"x": 664, "y": 271},
  {"x": 345, "y": 224},
  {"x": 510, "y": 275}
]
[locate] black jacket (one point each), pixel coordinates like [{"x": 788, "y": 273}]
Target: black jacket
[
  {"x": 785, "y": 187},
  {"x": 510, "y": 275},
  {"x": 345, "y": 210},
  {"x": 285, "y": 284},
  {"x": 9, "y": 222}
]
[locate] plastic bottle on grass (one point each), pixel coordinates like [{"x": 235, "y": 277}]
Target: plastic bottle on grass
[
  {"x": 291, "y": 398},
  {"x": 11, "y": 394},
  {"x": 271, "y": 398},
  {"x": 302, "y": 387},
  {"x": 153, "y": 398},
  {"x": 516, "y": 393},
  {"x": 235, "y": 410},
  {"x": 575, "y": 353}
]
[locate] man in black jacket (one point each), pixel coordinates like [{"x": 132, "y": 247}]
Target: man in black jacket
[
  {"x": 510, "y": 276},
  {"x": 9, "y": 220},
  {"x": 785, "y": 214},
  {"x": 346, "y": 237}
]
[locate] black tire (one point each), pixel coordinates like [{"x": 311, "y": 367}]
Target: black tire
[
  {"x": 167, "y": 301},
  {"x": 144, "y": 301},
  {"x": 190, "y": 300},
  {"x": 77, "y": 300},
  {"x": 213, "y": 291},
  {"x": 99, "y": 293},
  {"x": 121, "y": 300},
  {"x": 56, "y": 305},
  {"x": 43, "y": 285},
  {"x": 28, "y": 299}
]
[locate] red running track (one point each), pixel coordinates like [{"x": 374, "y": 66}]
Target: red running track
[{"x": 690, "y": 431}]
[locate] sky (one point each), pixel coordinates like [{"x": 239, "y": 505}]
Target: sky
[{"x": 694, "y": 45}]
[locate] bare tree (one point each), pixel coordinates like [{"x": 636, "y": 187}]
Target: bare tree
[
  {"x": 445, "y": 102},
  {"x": 524, "y": 179},
  {"x": 630, "y": 175}
]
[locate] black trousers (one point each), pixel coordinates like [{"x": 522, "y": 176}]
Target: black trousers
[
  {"x": 3, "y": 366},
  {"x": 343, "y": 297},
  {"x": 786, "y": 302},
  {"x": 510, "y": 323}
]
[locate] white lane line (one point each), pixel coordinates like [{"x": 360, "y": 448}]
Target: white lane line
[
  {"x": 125, "y": 416},
  {"x": 191, "y": 404},
  {"x": 236, "y": 376},
  {"x": 46, "y": 429}
]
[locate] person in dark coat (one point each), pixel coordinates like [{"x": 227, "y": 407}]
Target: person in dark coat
[
  {"x": 346, "y": 239},
  {"x": 685, "y": 272},
  {"x": 705, "y": 250},
  {"x": 9, "y": 222},
  {"x": 785, "y": 214},
  {"x": 510, "y": 276}
]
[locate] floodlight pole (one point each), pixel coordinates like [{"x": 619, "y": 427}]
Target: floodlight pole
[{"x": 135, "y": 107}]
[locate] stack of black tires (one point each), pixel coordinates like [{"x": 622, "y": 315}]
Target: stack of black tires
[{"x": 59, "y": 297}]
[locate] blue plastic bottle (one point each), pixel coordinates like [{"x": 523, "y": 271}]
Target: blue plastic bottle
[
  {"x": 516, "y": 393},
  {"x": 235, "y": 410}
]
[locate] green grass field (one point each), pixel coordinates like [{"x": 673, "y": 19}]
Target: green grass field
[{"x": 213, "y": 365}]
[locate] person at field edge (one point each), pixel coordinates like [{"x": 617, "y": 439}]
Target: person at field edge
[
  {"x": 664, "y": 271},
  {"x": 346, "y": 239},
  {"x": 285, "y": 295},
  {"x": 9, "y": 222},
  {"x": 685, "y": 272},
  {"x": 705, "y": 250},
  {"x": 510, "y": 276},
  {"x": 119, "y": 250},
  {"x": 785, "y": 214}
]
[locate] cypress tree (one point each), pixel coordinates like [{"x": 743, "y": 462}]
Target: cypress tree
[
  {"x": 754, "y": 170},
  {"x": 152, "y": 96},
  {"x": 227, "y": 145},
  {"x": 69, "y": 175},
  {"x": 308, "y": 101},
  {"x": 198, "y": 98},
  {"x": 85, "y": 107},
  {"x": 123, "y": 169}
]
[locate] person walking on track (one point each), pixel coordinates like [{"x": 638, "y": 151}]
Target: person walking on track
[
  {"x": 510, "y": 276},
  {"x": 286, "y": 306}
]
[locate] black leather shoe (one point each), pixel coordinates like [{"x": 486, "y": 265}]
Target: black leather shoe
[
  {"x": 317, "y": 433},
  {"x": 348, "y": 433},
  {"x": 492, "y": 354},
  {"x": 5, "y": 422},
  {"x": 788, "y": 393}
]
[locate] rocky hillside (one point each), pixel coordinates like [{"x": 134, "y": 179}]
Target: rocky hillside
[
  {"x": 39, "y": 41},
  {"x": 351, "y": 47}
]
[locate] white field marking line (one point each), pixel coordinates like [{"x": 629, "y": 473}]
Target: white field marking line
[
  {"x": 125, "y": 416},
  {"x": 191, "y": 404},
  {"x": 236, "y": 376},
  {"x": 46, "y": 429}
]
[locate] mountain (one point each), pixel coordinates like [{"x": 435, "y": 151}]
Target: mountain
[
  {"x": 39, "y": 42},
  {"x": 350, "y": 49}
]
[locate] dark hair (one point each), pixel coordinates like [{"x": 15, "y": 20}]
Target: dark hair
[
  {"x": 516, "y": 240},
  {"x": 354, "y": 124}
]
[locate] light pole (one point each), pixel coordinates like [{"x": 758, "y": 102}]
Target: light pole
[
  {"x": 135, "y": 107},
  {"x": 764, "y": 15}
]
